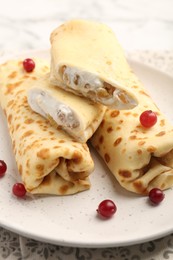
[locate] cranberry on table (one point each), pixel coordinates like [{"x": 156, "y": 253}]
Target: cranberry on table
[
  {"x": 148, "y": 118},
  {"x": 107, "y": 208},
  {"x": 28, "y": 65},
  {"x": 3, "y": 168},
  {"x": 19, "y": 189},
  {"x": 156, "y": 195}
]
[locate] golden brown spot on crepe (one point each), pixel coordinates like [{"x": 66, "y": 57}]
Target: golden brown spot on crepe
[
  {"x": 19, "y": 92},
  {"x": 132, "y": 137},
  {"x": 11, "y": 87},
  {"x": 120, "y": 121},
  {"x": 138, "y": 185},
  {"x": 78, "y": 175},
  {"x": 20, "y": 169},
  {"x": 162, "y": 122},
  {"x": 117, "y": 141},
  {"x": 61, "y": 141},
  {"x": 51, "y": 133},
  {"x": 17, "y": 126},
  {"x": 12, "y": 129},
  {"x": 107, "y": 157},
  {"x": 109, "y": 62},
  {"x": 114, "y": 113},
  {"x": 127, "y": 113},
  {"x": 118, "y": 128},
  {"x": 12, "y": 75},
  {"x": 135, "y": 86},
  {"x": 28, "y": 163},
  {"x": 43, "y": 153},
  {"x": 64, "y": 188},
  {"x": 101, "y": 139},
  {"x": 163, "y": 186},
  {"x": 9, "y": 118},
  {"x": 135, "y": 114},
  {"x": 14, "y": 144},
  {"x": 139, "y": 127},
  {"x": 151, "y": 149},
  {"x": 125, "y": 173},
  {"x": 139, "y": 151},
  {"x": 143, "y": 93},
  {"x": 27, "y": 133},
  {"x": 77, "y": 158},
  {"x": 56, "y": 146},
  {"x": 141, "y": 143},
  {"x": 11, "y": 102},
  {"x": 161, "y": 133},
  {"x": 39, "y": 122},
  {"x": 34, "y": 78},
  {"x": 28, "y": 121},
  {"x": 26, "y": 77},
  {"x": 40, "y": 169},
  {"x": 109, "y": 129},
  {"x": 135, "y": 131}
]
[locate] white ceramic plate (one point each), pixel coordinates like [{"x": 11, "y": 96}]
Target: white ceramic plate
[{"x": 72, "y": 220}]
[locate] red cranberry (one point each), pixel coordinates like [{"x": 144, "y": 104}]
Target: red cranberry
[
  {"x": 148, "y": 118},
  {"x": 19, "y": 190},
  {"x": 107, "y": 208},
  {"x": 28, "y": 65},
  {"x": 156, "y": 195},
  {"x": 3, "y": 168}
]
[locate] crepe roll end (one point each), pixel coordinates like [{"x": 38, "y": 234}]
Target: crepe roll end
[
  {"x": 55, "y": 111},
  {"x": 89, "y": 85}
]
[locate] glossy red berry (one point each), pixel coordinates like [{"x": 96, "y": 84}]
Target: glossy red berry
[
  {"x": 156, "y": 195},
  {"x": 28, "y": 65},
  {"x": 107, "y": 208},
  {"x": 3, "y": 168},
  {"x": 19, "y": 189},
  {"x": 148, "y": 118}
]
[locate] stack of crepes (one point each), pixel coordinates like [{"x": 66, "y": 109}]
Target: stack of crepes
[
  {"x": 139, "y": 158},
  {"x": 49, "y": 126},
  {"x": 89, "y": 92}
]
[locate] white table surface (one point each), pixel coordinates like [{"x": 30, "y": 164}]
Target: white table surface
[{"x": 145, "y": 30}]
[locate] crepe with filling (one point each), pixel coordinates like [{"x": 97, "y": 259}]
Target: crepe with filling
[
  {"x": 78, "y": 116},
  {"x": 86, "y": 59},
  {"x": 49, "y": 161},
  {"x": 140, "y": 158}
]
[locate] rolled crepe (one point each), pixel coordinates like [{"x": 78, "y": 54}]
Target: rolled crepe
[
  {"x": 86, "y": 60},
  {"x": 78, "y": 116},
  {"x": 49, "y": 161},
  {"x": 140, "y": 158}
]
